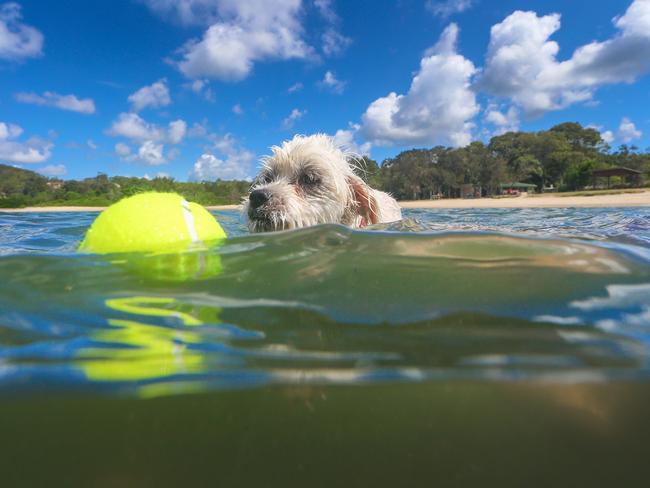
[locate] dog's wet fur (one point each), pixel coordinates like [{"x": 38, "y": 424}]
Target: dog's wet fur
[{"x": 309, "y": 180}]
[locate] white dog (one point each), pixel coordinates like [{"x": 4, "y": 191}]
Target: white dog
[{"x": 310, "y": 180}]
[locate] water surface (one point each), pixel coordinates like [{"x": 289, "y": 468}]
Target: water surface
[{"x": 491, "y": 346}]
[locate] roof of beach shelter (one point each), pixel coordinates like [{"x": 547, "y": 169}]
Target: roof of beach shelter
[
  {"x": 618, "y": 171},
  {"x": 518, "y": 185}
]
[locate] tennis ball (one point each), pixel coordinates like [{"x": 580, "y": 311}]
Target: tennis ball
[{"x": 152, "y": 222}]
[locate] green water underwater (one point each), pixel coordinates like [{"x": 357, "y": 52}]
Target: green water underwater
[{"x": 457, "y": 348}]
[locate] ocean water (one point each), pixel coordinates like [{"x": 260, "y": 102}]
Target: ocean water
[{"x": 459, "y": 347}]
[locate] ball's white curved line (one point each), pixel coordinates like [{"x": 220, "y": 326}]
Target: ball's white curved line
[{"x": 189, "y": 222}]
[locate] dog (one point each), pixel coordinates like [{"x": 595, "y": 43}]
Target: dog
[{"x": 310, "y": 180}]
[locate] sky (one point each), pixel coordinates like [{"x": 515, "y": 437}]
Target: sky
[{"x": 201, "y": 89}]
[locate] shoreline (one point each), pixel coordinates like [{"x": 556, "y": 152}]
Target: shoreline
[
  {"x": 90, "y": 209},
  {"x": 638, "y": 199}
]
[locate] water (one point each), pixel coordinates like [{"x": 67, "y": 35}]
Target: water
[{"x": 500, "y": 347}]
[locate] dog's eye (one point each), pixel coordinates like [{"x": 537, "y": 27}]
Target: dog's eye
[
  {"x": 308, "y": 179},
  {"x": 266, "y": 178}
]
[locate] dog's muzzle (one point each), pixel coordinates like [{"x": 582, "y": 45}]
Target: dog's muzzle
[
  {"x": 257, "y": 205},
  {"x": 258, "y": 198}
]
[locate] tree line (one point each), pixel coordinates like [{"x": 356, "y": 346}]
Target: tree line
[
  {"x": 20, "y": 188},
  {"x": 561, "y": 158}
]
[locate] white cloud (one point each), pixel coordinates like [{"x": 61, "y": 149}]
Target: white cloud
[
  {"x": 187, "y": 12},
  {"x": 240, "y": 34},
  {"x": 446, "y": 8},
  {"x": 64, "y": 102},
  {"x": 522, "y": 63},
  {"x": 122, "y": 150},
  {"x": 345, "y": 138},
  {"x": 134, "y": 127},
  {"x": 334, "y": 42},
  {"x": 331, "y": 83},
  {"x": 295, "y": 114},
  {"x": 177, "y": 131},
  {"x": 34, "y": 150},
  {"x": 236, "y": 166},
  {"x": 506, "y": 121},
  {"x": 325, "y": 9},
  {"x": 226, "y": 159},
  {"x": 53, "y": 170},
  {"x": 18, "y": 41},
  {"x": 202, "y": 88},
  {"x": 607, "y": 136},
  {"x": 151, "y": 153},
  {"x": 236, "y": 109},
  {"x": 160, "y": 174},
  {"x": 209, "y": 167},
  {"x": 91, "y": 144},
  {"x": 438, "y": 106},
  {"x": 155, "y": 95},
  {"x": 295, "y": 87},
  {"x": 9, "y": 131},
  {"x": 627, "y": 131}
]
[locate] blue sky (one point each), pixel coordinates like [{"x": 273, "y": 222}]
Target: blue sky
[{"x": 199, "y": 89}]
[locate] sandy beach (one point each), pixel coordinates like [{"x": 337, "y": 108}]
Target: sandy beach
[
  {"x": 548, "y": 200},
  {"x": 637, "y": 199}
]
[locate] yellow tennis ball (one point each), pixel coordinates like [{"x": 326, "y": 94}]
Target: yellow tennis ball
[{"x": 152, "y": 222}]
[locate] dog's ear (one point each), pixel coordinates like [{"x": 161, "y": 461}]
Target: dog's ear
[{"x": 364, "y": 202}]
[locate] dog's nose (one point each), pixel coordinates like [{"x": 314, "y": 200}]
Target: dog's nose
[{"x": 259, "y": 198}]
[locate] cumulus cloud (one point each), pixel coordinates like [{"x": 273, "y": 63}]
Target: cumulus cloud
[
  {"x": 627, "y": 131},
  {"x": 239, "y": 35},
  {"x": 345, "y": 138},
  {"x": 209, "y": 168},
  {"x": 235, "y": 162},
  {"x": 331, "y": 83},
  {"x": 9, "y": 131},
  {"x": 63, "y": 102},
  {"x": 607, "y": 136},
  {"x": 155, "y": 95},
  {"x": 438, "y": 107},
  {"x": 33, "y": 150},
  {"x": 151, "y": 153},
  {"x": 446, "y": 8},
  {"x": 505, "y": 121},
  {"x": 237, "y": 109},
  {"x": 295, "y": 114},
  {"x": 134, "y": 127},
  {"x": 18, "y": 41},
  {"x": 53, "y": 170},
  {"x": 522, "y": 64},
  {"x": 150, "y": 138}
]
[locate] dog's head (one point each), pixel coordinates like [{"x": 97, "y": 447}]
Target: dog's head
[{"x": 308, "y": 181}]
